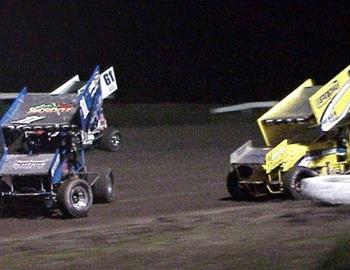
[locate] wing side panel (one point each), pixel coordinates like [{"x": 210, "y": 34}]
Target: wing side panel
[{"x": 323, "y": 97}]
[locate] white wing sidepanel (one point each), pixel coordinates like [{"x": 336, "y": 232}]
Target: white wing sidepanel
[{"x": 108, "y": 82}]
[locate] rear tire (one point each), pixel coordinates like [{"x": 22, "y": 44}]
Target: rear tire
[
  {"x": 110, "y": 140},
  {"x": 75, "y": 198},
  {"x": 3, "y": 207},
  {"x": 236, "y": 192},
  {"x": 292, "y": 180},
  {"x": 104, "y": 188}
]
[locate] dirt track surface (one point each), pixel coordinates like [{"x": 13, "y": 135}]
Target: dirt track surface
[{"x": 173, "y": 211}]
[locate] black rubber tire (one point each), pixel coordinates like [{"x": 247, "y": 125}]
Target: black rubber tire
[
  {"x": 292, "y": 180},
  {"x": 68, "y": 200},
  {"x": 236, "y": 192},
  {"x": 3, "y": 207},
  {"x": 110, "y": 140},
  {"x": 104, "y": 188}
]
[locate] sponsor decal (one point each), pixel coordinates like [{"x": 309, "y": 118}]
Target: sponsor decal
[
  {"x": 28, "y": 119},
  {"x": 29, "y": 164},
  {"x": 331, "y": 116},
  {"x": 275, "y": 155},
  {"x": 327, "y": 95},
  {"x": 51, "y": 108}
]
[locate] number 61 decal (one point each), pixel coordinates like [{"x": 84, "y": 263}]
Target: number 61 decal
[
  {"x": 108, "y": 82},
  {"x": 109, "y": 77}
]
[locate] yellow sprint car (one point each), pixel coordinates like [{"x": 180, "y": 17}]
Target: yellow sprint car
[{"x": 306, "y": 134}]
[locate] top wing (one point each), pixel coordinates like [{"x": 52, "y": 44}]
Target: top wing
[
  {"x": 291, "y": 117},
  {"x": 108, "y": 85},
  {"x": 67, "y": 86},
  {"x": 91, "y": 100},
  {"x": 9, "y": 96},
  {"x": 331, "y": 103},
  {"x": 41, "y": 111}
]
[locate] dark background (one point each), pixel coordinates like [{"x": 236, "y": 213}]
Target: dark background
[{"x": 175, "y": 51}]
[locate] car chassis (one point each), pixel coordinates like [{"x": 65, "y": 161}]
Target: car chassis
[
  {"x": 42, "y": 150},
  {"x": 306, "y": 134}
]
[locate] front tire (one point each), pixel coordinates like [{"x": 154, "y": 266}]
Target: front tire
[
  {"x": 75, "y": 198},
  {"x": 292, "y": 180},
  {"x": 104, "y": 188},
  {"x": 236, "y": 192},
  {"x": 110, "y": 139}
]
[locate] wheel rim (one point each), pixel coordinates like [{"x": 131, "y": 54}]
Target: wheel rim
[
  {"x": 79, "y": 198},
  {"x": 115, "y": 140},
  {"x": 298, "y": 185}
]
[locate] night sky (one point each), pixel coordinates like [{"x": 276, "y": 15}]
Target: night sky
[{"x": 175, "y": 51}]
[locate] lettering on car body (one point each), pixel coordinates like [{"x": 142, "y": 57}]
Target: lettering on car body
[
  {"x": 29, "y": 164},
  {"x": 51, "y": 108},
  {"x": 325, "y": 96}
]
